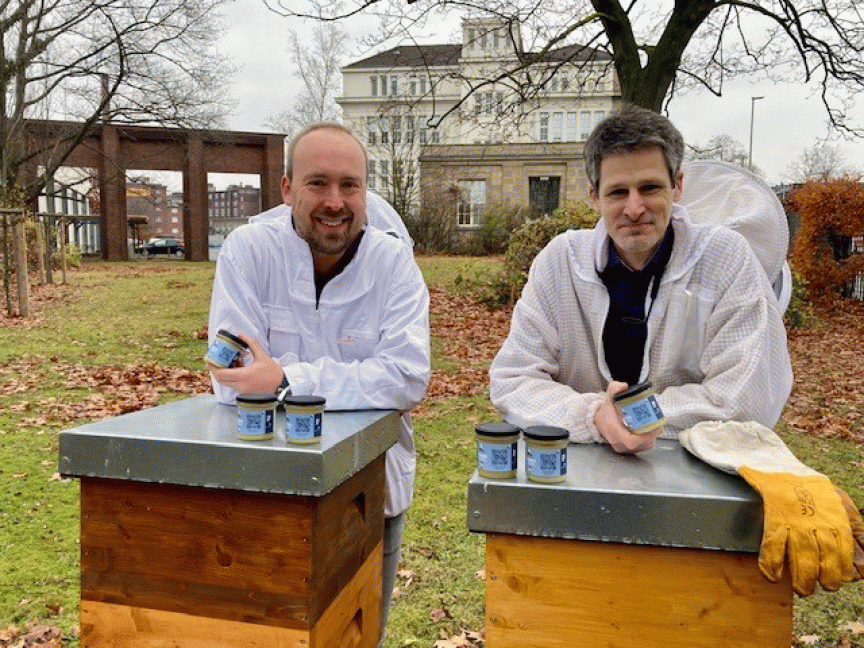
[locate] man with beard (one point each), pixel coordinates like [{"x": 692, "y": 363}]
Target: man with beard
[{"x": 329, "y": 307}]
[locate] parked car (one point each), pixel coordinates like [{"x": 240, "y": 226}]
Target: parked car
[{"x": 167, "y": 246}]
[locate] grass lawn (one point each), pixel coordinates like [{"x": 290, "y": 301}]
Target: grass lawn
[{"x": 139, "y": 322}]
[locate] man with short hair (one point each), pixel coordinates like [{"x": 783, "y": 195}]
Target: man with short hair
[
  {"x": 329, "y": 307},
  {"x": 648, "y": 295},
  {"x": 645, "y": 295}
]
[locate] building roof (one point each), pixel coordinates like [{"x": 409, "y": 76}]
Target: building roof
[{"x": 412, "y": 56}]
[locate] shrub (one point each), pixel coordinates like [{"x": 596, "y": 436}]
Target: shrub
[
  {"x": 527, "y": 241},
  {"x": 431, "y": 228},
  {"x": 493, "y": 235},
  {"x": 799, "y": 313},
  {"x": 831, "y": 213}
]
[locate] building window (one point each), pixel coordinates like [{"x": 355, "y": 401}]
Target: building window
[
  {"x": 470, "y": 39},
  {"x": 371, "y": 131},
  {"x": 412, "y": 85},
  {"x": 435, "y": 137},
  {"x": 421, "y": 123},
  {"x": 599, "y": 115},
  {"x": 384, "y": 174},
  {"x": 394, "y": 85},
  {"x": 373, "y": 82},
  {"x": 557, "y": 126},
  {"x": 370, "y": 174},
  {"x": 384, "y": 122},
  {"x": 472, "y": 203},
  {"x": 383, "y": 85},
  {"x": 585, "y": 120},
  {"x": 409, "y": 129},
  {"x": 396, "y": 129},
  {"x": 544, "y": 127},
  {"x": 543, "y": 194},
  {"x": 571, "y": 127}
]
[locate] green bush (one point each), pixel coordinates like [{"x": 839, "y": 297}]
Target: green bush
[
  {"x": 73, "y": 256},
  {"x": 527, "y": 241},
  {"x": 799, "y": 313},
  {"x": 493, "y": 235}
]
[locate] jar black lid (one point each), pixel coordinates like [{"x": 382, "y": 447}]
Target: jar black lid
[
  {"x": 256, "y": 398},
  {"x": 497, "y": 429},
  {"x": 305, "y": 400},
  {"x": 232, "y": 337},
  {"x": 632, "y": 391},
  {"x": 546, "y": 433}
]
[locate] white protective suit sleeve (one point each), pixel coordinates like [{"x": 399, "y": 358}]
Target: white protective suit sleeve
[
  {"x": 394, "y": 377},
  {"x": 523, "y": 382},
  {"x": 731, "y": 444}
]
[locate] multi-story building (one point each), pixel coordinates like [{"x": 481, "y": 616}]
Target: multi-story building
[
  {"x": 481, "y": 135},
  {"x": 232, "y": 207}
]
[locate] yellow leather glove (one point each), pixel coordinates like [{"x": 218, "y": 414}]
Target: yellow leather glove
[
  {"x": 806, "y": 523},
  {"x": 857, "y": 524}
]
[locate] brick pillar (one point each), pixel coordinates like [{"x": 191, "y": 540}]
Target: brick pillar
[
  {"x": 195, "y": 217},
  {"x": 112, "y": 198},
  {"x": 272, "y": 169}
]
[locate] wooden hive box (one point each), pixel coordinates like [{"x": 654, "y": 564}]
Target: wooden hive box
[
  {"x": 181, "y": 565},
  {"x": 657, "y": 550}
]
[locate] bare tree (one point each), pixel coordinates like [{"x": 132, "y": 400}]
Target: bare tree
[
  {"x": 658, "y": 49},
  {"x": 128, "y": 61},
  {"x": 317, "y": 66},
  {"x": 720, "y": 147},
  {"x": 820, "y": 162}
]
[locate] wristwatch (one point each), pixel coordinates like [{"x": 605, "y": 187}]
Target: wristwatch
[{"x": 283, "y": 391}]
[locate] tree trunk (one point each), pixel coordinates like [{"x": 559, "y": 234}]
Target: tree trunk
[
  {"x": 40, "y": 251},
  {"x": 21, "y": 275}
]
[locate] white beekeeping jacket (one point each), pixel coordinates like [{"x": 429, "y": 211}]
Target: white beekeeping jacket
[{"x": 363, "y": 345}]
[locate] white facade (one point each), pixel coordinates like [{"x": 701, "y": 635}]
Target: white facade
[{"x": 409, "y": 97}]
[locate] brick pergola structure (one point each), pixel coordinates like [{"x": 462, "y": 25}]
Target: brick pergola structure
[{"x": 111, "y": 149}]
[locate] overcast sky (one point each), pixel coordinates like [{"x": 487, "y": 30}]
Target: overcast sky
[{"x": 785, "y": 122}]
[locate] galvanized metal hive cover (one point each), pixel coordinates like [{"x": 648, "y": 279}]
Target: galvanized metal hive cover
[
  {"x": 662, "y": 497},
  {"x": 194, "y": 442}
]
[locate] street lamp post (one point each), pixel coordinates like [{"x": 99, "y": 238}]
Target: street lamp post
[{"x": 753, "y": 101}]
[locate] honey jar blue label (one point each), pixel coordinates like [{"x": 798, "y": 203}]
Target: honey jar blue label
[
  {"x": 496, "y": 457},
  {"x": 222, "y": 354},
  {"x": 302, "y": 426},
  {"x": 545, "y": 462},
  {"x": 254, "y": 422},
  {"x": 641, "y": 413}
]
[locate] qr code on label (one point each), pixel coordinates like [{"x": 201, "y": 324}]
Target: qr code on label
[
  {"x": 303, "y": 426},
  {"x": 642, "y": 413},
  {"x": 548, "y": 462}
]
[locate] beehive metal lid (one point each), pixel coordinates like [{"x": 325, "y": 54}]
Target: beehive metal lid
[
  {"x": 194, "y": 442},
  {"x": 664, "y": 496}
]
